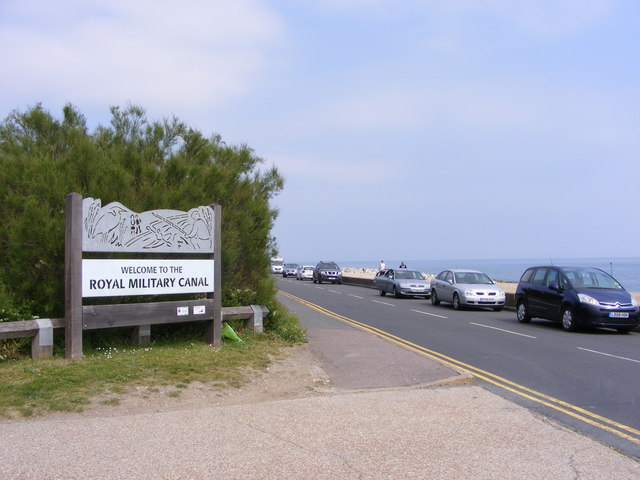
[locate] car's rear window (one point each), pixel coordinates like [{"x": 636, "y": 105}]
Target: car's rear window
[
  {"x": 538, "y": 276},
  {"x": 526, "y": 276}
]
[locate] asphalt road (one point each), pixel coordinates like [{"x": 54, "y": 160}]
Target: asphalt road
[{"x": 589, "y": 380}]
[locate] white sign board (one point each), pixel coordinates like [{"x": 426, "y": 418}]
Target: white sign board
[{"x": 116, "y": 278}]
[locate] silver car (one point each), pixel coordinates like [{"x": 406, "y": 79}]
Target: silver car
[
  {"x": 305, "y": 272},
  {"x": 402, "y": 282},
  {"x": 466, "y": 288},
  {"x": 290, "y": 269}
]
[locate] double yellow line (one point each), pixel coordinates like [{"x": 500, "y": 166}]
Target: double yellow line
[{"x": 619, "y": 429}]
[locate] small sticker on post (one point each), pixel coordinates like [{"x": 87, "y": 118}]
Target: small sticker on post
[
  {"x": 182, "y": 311},
  {"x": 199, "y": 310}
]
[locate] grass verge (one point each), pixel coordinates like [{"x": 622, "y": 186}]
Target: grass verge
[
  {"x": 32, "y": 387},
  {"x": 179, "y": 357}
]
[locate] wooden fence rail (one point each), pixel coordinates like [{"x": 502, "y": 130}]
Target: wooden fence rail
[{"x": 41, "y": 330}]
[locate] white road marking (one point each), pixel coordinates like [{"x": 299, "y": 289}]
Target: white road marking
[
  {"x": 502, "y": 330},
  {"x": 384, "y": 303},
  {"x": 427, "y": 313},
  {"x": 334, "y": 291},
  {"x": 354, "y": 296},
  {"x": 608, "y": 355}
]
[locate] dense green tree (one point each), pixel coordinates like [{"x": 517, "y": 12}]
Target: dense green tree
[{"x": 145, "y": 165}]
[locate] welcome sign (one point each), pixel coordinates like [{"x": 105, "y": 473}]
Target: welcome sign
[
  {"x": 113, "y": 278},
  {"x": 175, "y": 253}
]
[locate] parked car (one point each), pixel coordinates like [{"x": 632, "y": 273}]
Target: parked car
[
  {"x": 305, "y": 272},
  {"x": 402, "y": 282},
  {"x": 290, "y": 269},
  {"x": 575, "y": 296},
  {"x": 327, "y": 272},
  {"x": 466, "y": 288}
]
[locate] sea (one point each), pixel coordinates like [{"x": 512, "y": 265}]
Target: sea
[{"x": 625, "y": 270}]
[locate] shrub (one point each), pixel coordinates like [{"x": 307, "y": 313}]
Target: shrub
[{"x": 142, "y": 164}]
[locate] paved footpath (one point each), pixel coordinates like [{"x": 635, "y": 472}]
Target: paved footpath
[{"x": 393, "y": 414}]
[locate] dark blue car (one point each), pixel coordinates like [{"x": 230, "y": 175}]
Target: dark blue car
[{"x": 575, "y": 296}]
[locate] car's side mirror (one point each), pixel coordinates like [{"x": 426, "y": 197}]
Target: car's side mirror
[{"x": 555, "y": 287}]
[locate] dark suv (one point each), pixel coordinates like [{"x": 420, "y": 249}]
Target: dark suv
[
  {"x": 575, "y": 296},
  {"x": 327, "y": 272}
]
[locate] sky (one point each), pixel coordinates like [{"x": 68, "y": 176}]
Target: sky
[{"x": 416, "y": 129}]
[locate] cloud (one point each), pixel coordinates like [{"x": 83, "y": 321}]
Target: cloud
[
  {"x": 193, "y": 54},
  {"x": 541, "y": 17}
]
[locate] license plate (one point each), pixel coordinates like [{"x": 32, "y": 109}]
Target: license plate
[{"x": 618, "y": 314}]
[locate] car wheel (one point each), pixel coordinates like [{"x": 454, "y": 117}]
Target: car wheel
[
  {"x": 456, "y": 301},
  {"x": 568, "y": 321},
  {"x": 623, "y": 330},
  {"x": 523, "y": 313},
  {"x": 396, "y": 294},
  {"x": 434, "y": 298},
  {"x": 382, "y": 293}
]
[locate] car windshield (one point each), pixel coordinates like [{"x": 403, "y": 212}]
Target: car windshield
[
  {"x": 591, "y": 278},
  {"x": 331, "y": 266},
  {"x": 473, "y": 278},
  {"x": 291, "y": 265},
  {"x": 403, "y": 274}
]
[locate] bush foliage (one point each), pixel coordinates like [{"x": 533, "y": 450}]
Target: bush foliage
[{"x": 145, "y": 165}]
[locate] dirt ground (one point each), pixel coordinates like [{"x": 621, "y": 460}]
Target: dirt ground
[{"x": 296, "y": 375}]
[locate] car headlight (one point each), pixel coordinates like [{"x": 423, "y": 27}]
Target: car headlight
[
  {"x": 469, "y": 293},
  {"x": 405, "y": 284},
  {"x": 500, "y": 293},
  {"x": 634, "y": 302},
  {"x": 584, "y": 298}
]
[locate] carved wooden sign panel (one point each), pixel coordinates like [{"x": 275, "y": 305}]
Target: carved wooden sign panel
[{"x": 116, "y": 228}]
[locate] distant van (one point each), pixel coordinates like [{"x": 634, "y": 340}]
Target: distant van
[{"x": 277, "y": 265}]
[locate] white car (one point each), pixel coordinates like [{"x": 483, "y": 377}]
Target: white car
[
  {"x": 469, "y": 288},
  {"x": 305, "y": 272}
]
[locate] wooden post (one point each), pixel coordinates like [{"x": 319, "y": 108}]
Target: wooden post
[
  {"x": 214, "y": 334},
  {"x": 141, "y": 335},
  {"x": 73, "y": 277}
]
